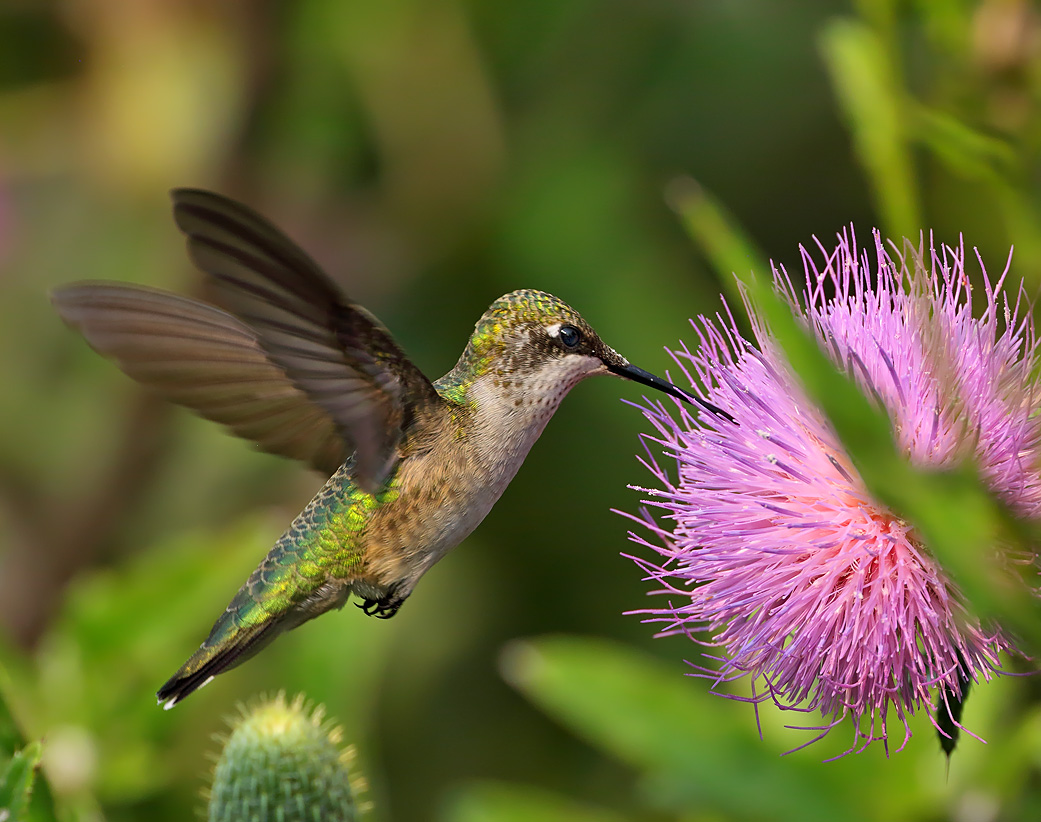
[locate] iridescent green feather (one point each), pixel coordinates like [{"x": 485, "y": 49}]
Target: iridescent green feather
[
  {"x": 487, "y": 343},
  {"x": 322, "y": 544}
]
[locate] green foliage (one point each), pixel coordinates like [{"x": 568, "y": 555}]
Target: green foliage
[
  {"x": 872, "y": 100},
  {"x": 99, "y": 666},
  {"x": 966, "y": 150},
  {"x": 120, "y": 633},
  {"x": 688, "y": 745},
  {"x": 716, "y": 232},
  {"x": 434, "y": 156},
  {"x": 502, "y": 802},
  {"x": 11, "y": 739},
  {"x": 24, "y": 792},
  {"x": 282, "y": 763},
  {"x": 698, "y": 755},
  {"x": 16, "y": 783}
]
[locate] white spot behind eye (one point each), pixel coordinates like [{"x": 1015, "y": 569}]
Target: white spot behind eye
[{"x": 554, "y": 329}]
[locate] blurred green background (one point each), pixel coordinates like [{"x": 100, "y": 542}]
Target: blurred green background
[{"x": 432, "y": 155}]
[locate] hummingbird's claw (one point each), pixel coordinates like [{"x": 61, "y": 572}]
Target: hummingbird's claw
[{"x": 383, "y": 608}]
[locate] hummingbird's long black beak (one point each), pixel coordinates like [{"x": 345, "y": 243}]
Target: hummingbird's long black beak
[{"x": 631, "y": 372}]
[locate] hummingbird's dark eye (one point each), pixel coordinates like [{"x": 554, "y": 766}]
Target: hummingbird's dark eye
[{"x": 570, "y": 336}]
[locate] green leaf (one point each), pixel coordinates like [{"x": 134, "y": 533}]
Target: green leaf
[
  {"x": 16, "y": 783},
  {"x": 691, "y": 746},
  {"x": 12, "y": 746},
  {"x": 966, "y": 151},
  {"x": 715, "y": 230},
  {"x": 870, "y": 94},
  {"x": 120, "y": 632},
  {"x": 11, "y": 738},
  {"x": 502, "y": 802}
]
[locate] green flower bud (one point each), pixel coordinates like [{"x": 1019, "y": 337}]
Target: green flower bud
[{"x": 283, "y": 763}]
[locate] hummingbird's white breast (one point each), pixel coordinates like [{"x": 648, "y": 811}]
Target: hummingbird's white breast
[
  {"x": 506, "y": 415},
  {"x": 511, "y": 411}
]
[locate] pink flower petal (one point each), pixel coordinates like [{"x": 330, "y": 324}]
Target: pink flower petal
[{"x": 768, "y": 544}]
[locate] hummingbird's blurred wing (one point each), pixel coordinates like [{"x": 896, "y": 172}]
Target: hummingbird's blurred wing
[
  {"x": 201, "y": 357},
  {"x": 334, "y": 351}
]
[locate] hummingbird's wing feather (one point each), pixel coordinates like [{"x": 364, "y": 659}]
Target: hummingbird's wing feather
[
  {"x": 201, "y": 357},
  {"x": 335, "y": 351}
]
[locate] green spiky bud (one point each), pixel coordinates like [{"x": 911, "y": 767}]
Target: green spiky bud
[{"x": 283, "y": 763}]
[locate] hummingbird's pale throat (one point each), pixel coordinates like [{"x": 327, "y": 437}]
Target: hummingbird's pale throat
[{"x": 285, "y": 359}]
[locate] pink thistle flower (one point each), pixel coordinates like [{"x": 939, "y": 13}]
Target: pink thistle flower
[{"x": 772, "y": 549}]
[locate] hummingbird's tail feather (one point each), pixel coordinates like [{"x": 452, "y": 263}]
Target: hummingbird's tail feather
[{"x": 214, "y": 659}]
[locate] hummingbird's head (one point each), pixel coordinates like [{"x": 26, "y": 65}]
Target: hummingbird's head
[{"x": 531, "y": 341}]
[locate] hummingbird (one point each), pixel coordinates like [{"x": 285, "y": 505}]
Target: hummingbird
[{"x": 284, "y": 358}]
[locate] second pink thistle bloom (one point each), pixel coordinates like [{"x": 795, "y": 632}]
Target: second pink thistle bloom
[{"x": 768, "y": 545}]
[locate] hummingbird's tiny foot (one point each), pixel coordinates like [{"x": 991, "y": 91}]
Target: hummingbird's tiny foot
[
  {"x": 389, "y": 605},
  {"x": 385, "y": 607}
]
